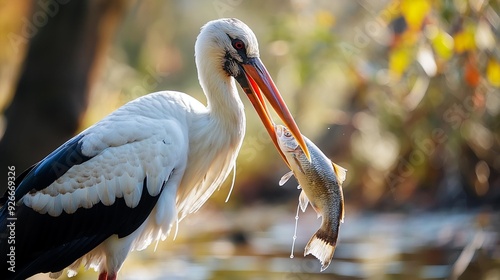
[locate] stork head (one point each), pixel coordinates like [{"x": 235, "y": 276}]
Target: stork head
[{"x": 230, "y": 47}]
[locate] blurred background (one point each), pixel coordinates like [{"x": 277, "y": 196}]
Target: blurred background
[{"x": 404, "y": 94}]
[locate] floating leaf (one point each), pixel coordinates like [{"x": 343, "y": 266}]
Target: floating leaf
[{"x": 493, "y": 72}]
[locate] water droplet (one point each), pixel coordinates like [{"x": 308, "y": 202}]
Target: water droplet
[{"x": 295, "y": 229}]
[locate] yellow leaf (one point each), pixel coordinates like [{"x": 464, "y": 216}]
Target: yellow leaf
[
  {"x": 465, "y": 39},
  {"x": 443, "y": 45},
  {"x": 399, "y": 60},
  {"x": 325, "y": 19},
  {"x": 493, "y": 72},
  {"x": 415, "y": 12}
]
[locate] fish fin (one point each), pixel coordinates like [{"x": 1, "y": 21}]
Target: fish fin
[
  {"x": 341, "y": 174},
  {"x": 285, "y": 178},
  {"x": 322, "y": 245},
  {"x": 342, "y": 211},
  {"x": 303, "y": 201},
  {"x": 340, "y": 171}
]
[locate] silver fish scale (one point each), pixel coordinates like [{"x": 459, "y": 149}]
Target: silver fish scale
[{"x": 322, "y": 187}]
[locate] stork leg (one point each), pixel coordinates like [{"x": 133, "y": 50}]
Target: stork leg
[{"x": 105, "y": 276}]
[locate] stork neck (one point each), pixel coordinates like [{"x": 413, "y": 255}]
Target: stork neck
[
  {"x": 226, "y": 103},
  {"x": 218, "y": 134},
  {"x": 223, "y": 101}
]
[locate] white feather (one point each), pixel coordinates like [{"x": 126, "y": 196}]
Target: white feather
[
  {"x": 92, "y": 197},
  {"x": 126, "y": 183},
  {"x": 106, "y": 195},
  {"x": 55, "y": 206},
  {"x": 67, "y": 204},
  {"x": 132, "y": 198}
]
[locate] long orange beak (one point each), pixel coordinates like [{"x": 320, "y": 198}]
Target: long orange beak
[{"x": 257, "y": 78}]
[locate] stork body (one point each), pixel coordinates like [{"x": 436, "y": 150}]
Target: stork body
[{"x": 120, "y": 184}]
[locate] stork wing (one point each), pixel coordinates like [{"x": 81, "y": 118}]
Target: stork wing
[
  {"x": 50, "y": 244},
  {"x": 42, "y": 174},
  {"x": 105, "y": 181}
]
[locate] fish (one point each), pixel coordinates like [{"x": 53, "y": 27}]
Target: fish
[{"x": 321, "y": 182}]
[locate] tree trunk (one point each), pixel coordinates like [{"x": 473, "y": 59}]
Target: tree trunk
[{"x": 68, "y": 38}]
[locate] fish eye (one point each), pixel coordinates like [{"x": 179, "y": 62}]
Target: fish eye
[{"x": 287, "y": 134}]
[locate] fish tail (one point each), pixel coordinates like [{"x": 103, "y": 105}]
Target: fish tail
[{"x": 322, "y": 246}]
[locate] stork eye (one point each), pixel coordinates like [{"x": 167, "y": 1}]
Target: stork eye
[{"x": 238, "y": 44}]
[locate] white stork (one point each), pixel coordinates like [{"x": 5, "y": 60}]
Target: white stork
[{"x": 120, "y": 184}]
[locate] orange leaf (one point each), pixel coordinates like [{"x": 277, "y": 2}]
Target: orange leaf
[{"x": 472, "y": 75}]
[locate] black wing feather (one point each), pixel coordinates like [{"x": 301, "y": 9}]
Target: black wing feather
[
  {"x": 58, "y": 241},
  {"x": 45, "y": 172}
]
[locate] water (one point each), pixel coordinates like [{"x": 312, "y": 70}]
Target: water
[
  {"x": 371, "y": 246},
  {"x": 254, "y": 243}
]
